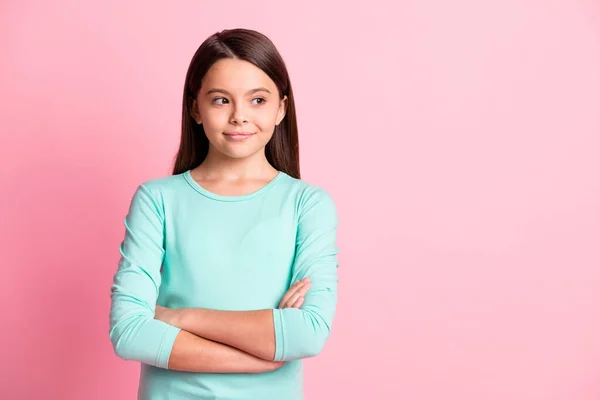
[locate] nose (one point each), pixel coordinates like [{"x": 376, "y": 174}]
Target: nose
[{"x": 238, "y": 116}]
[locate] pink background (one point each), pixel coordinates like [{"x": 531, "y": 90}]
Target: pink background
[{"x": 459, "y": 139}]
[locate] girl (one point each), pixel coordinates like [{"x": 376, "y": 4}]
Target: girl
[{"x": 228, "y": 271}]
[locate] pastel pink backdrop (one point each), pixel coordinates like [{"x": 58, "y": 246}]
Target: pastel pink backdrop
[{"x": 459, "y": 139}]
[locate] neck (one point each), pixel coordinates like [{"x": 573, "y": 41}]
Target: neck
[{"x": 221, "y": 167}]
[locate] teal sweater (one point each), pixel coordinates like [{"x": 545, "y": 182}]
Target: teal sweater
[{"x": 187, "y": 247}]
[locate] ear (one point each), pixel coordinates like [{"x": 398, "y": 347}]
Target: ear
[
  {"x": 195, "y": 113},
  {"x": 282, "y": 110}
]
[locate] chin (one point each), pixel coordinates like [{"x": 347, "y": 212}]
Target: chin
[{"x": 240, "y": 153}]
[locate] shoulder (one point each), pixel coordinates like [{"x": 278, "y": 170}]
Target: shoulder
[
  {"x": 163, "y": 185},
  {"x": 310, "y": 197},
  {"x": 156, "y": 190}
]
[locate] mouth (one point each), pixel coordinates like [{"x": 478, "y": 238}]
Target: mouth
[{"x": 238, "y": 135}]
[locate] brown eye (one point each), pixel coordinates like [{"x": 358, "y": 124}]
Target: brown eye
[
  {"x": 219, "y": 100},
  {"x": 262, "y": 100}
]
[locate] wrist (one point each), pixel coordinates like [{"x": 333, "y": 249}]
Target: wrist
[
  {"x": 180, "y": 318},
  {"x": 189, "y": 319}
]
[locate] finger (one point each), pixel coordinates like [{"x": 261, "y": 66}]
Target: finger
[
  {"x": 290, "y": 292},
  {"x": 292, "y": 300},
  {"x": 298, "y": 291},
  {"x": 279, "y": 364},
  {"x": 304, "y": 289},
  {"x": 301, "y": 292},
  {"x": 294, "y": 288},
  {"x": 298, "y": 302},
  {"x": 288, "y": 296}
]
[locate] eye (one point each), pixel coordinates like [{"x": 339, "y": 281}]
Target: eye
[
  {"x": 220, "y": 100},
  {"x": 262, "y": 100}
]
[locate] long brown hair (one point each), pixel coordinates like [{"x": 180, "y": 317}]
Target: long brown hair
[{"x": 282, "y": 151}]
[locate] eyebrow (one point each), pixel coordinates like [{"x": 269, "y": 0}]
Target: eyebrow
[{"x": 217, "y": 90}]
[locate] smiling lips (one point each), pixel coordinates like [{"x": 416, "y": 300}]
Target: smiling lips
[{"x": 238, "y": 135}]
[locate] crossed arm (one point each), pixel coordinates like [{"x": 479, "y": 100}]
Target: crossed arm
[
  {"x": 203, "y": 340},
  {"x": 250, "y": 349}
]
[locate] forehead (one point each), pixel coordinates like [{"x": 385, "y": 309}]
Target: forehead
[{"x": 233, "y": 75}]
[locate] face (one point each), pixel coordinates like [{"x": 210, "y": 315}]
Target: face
[{"x": 239, "y": 107}]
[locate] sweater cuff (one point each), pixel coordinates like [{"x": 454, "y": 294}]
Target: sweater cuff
[
  {"x": 166, "y": 345},
  {"x": 278, "y": 328}
]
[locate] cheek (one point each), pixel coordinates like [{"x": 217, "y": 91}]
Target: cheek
[
  {"x": 267, "y": 120},
  {"x": 215, "y": 118}
]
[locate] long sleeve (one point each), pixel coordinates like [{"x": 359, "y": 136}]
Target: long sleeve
[
  {"x": 301, "y": 333},
  {"x": 134, "y": 332}
]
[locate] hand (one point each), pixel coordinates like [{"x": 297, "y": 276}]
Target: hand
[
  {"x": 259, "y": 365},
  {"x": 168, "y": 315},
  {"x": 294, "y": 297},
  {"x": 275, "y": 365}
]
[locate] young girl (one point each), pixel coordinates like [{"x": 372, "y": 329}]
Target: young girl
[{"x": 228, "y": 270}]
